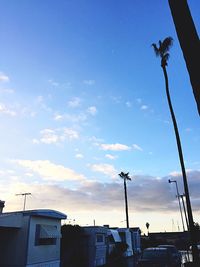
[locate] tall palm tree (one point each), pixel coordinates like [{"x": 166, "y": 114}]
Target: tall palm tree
[
  {"x": 125, "y": 177},
  {"x": 162, "y": 51},
  {"x": 189, "y": 42}
]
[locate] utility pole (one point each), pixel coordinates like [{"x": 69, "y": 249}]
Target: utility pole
[{"x": 24, "y": 195}]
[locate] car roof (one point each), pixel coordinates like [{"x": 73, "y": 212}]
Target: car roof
[
  {"x": 156, "y": 249},
  {"x": 167, "y": 246}
]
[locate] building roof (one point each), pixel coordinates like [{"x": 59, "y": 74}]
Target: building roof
[
  {"x": 115, "y": 235},
  {"x": 39, "y": 213},
  {"x": 45, "y": 213},
  {"x": 11, "y": 220}
]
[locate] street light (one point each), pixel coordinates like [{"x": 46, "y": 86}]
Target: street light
[{"x": 178, "y": 196}]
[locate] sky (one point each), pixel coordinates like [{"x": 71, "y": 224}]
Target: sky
[{"x": 82, "y": 98}]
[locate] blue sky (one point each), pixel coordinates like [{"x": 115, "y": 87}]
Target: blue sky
[{"x": 82, "y": 98}]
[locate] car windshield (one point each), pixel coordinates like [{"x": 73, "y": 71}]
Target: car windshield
[{"x": 154, "y": 254}]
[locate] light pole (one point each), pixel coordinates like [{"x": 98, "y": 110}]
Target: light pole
[{"x": 178, "y": 196}]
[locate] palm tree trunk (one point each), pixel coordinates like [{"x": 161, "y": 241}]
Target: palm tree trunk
[
  {"x": 189, "y": 42},
  {"x": 126, "y": 203},
  {"x": 188, "y": 204}
]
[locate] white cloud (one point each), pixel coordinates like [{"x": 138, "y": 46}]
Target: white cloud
[
  {"x": 28, "y": 174},
  {"x": 58, "y": 117},
  {"x": 89, "y": 82},
  {"x": 136, "y": 147},
  {"x": 6, "y": 110},
  {"x": 188, "y": 130},
  {"x": 79, "y": 156},
  {"x": 175, "y": 173},
  {"x": 128, "y": 104},
  {"x": 35, "y": 141},
  {"x": 54, "y": 136},
  {"x": 49, "y": 136},
  {"x": 114, "y": 147},
  {"x": 75, "y": 118},
  {"x": 53, "y": 83},
  {"x": 92, "y": 110},
  {"x": 144, "y": 107},
  {"x": 116, "y": 99},
  {"x": 96, "y": 141},
  {"x": 97, "y": 198},
  {"x": 109, "y": 156},
  {"x": 179, "y": 173},
  {"x": 75, "y": 102},
  {"x": 70, "y": 134},
  {"x": 40, "y": 99},
  {"x": 7, "y": 91},
  {"x": 106, "y": 169},
  {"x": 50, "y": 171},
  {"x": 139, "y": 100},
  {"x": 3, "y": 77}
]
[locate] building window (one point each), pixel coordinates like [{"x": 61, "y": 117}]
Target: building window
[
  {"x": 99, "y": 238},
  {"x": 46, "y": 234}
]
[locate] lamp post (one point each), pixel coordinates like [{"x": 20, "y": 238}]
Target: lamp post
[{"x": 178, "y": 196}]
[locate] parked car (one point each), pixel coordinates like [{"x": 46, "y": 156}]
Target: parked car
[
  {"x": 198, "y": 247},
  {"x": 175, "y": 254},
  {"x": 156, "y": 257}
]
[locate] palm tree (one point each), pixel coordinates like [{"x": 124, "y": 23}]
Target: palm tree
[
  {"x": 125, "y": 177},
  {"x": 162, "y": 51},
  {"x": 189, "y": 42},
  {"x": 147, "y": 226}
]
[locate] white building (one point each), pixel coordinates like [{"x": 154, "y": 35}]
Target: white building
[
  {"x": 136, "y": 239},
  {"x": 30, "y": 238},
  {"x": 94, "y": 246},
  {"x": 113, "y": 239},
  {"x": 126, "y": 237}
]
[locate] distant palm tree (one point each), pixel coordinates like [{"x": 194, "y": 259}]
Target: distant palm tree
[
  {"x": 147, "y": 226},
  {"x": 162, "y": 51},
  {"x": 125, "y": 177}
]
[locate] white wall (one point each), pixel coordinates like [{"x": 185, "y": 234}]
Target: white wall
[
  {"x": 13, "y": 245},
  {"x": 43, "y": 253}
]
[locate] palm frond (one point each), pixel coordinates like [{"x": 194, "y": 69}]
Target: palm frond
[
  {"x": 163, "y": 49},
  {"x": 166, "y": 44},
  {"x": 164, "y": 59},
  {"x": 125, "y": 176},
  {"x": 156, "y": 50},
  {"x": 166, "y": 56},
  {"x": 121, "y": 174}
]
